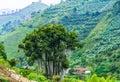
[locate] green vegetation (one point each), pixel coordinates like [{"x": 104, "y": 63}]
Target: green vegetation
[
  {"x": 49, "y": 46},
  {"x": 71, "y": 80},
  {"x": 80, "y": 18},
  {"x": 3, "y": 79},
  {"x": 4, "y": 62},
  {"x": 37, "y": 77},
  {"x": 95, "y": 22},
  {"x": 95, "y": 78},
  {"x": 11, "y": 41},
  {"x": 12, "y": 62},
  {"x": 2, "y": 51},
  {"x": 11, "y": 22},
  {"x": 101, "y": 48}
]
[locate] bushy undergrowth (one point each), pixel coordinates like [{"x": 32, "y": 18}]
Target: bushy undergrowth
[
  {"x": 3, "y": 79},
  {"x": 37, "y": 77},
  {"x": 95, "y": 78},
  {"x": 24, "y": 72},
  {"x": 3, "y": 62},
  {"x": 31, "y": 74},
  {"x": 71, "y": 80}
]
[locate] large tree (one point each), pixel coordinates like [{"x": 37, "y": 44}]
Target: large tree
[{"x": 49, "y": 46}]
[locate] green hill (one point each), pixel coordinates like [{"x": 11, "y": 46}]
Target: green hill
[
  {"x": 11, "y": 41},
  {"x": 81, "y": 17},
  {"x": 96, "y": 22},
  {"x": 105, "y": 36},
  {"x": 101, "y": 47}
]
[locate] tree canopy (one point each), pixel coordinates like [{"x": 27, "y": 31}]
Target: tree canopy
[{"x": 49, "y": 46}]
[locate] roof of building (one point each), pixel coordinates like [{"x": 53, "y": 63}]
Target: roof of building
[{"x": 81, "y": 69}]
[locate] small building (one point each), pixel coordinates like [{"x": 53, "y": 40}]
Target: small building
[{"x": 79, "y": 70}]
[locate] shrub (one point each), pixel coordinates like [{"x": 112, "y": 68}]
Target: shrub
[
  {"x": 24, "y": 72},
  {"x": 4, "y": 62},
  {"x": 95, "y": 78},
  {"x": 12, "y": 62},
  {"x": 3, "y": 79},
  {"x": 37, "y": 77},
  {"x": 55, "y": 78},
  {"x": 71, "y": 80}
]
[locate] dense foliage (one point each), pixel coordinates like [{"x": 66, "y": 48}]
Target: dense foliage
[
  {"x": 95, "y": 78},
  {"x": 49, "y": 46},
  {"x": 3, "y": 79},
  {"x": 2, "y": 51},
  {"x": 37, "y": 77},
  {"x": 4, "y": 62}
]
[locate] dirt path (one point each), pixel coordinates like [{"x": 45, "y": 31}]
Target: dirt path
[{"x": 12, "y": 76}]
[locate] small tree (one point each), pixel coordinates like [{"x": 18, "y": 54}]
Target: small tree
[
  {"x": 12, "y": 62},
  {"x": 49, "y": 46},
  {"x": 2, "y": 51}
]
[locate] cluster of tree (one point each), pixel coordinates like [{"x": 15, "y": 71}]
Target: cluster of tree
[{"x": 50, "y": 46}]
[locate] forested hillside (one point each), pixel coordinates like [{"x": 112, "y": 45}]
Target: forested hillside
[
  {"x": 81, "y": 17},
  {"x": 101, "y": 47},
  {"x": 96, "y": 23}
]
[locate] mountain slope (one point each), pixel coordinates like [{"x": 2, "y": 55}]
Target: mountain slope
[
  {"x": 102, "y": 46},
  {"x": 11, "y": 41},
  {"x": 97, "y": 24},
  {"x": 10, "y": 22},
  {"x": 81, "y": 17},
  {"x": 105, "y": 35},
  {"x": 109, "y": 39}
]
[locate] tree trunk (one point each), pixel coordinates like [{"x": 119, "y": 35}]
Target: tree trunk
[
  {"x": 62, "y": 74},
  {"x": 59, "y": 67},
  {"x": 39, "y": 64},
  {"x": 51, "y": 67},
  {"x": 46, "y": 66}
]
